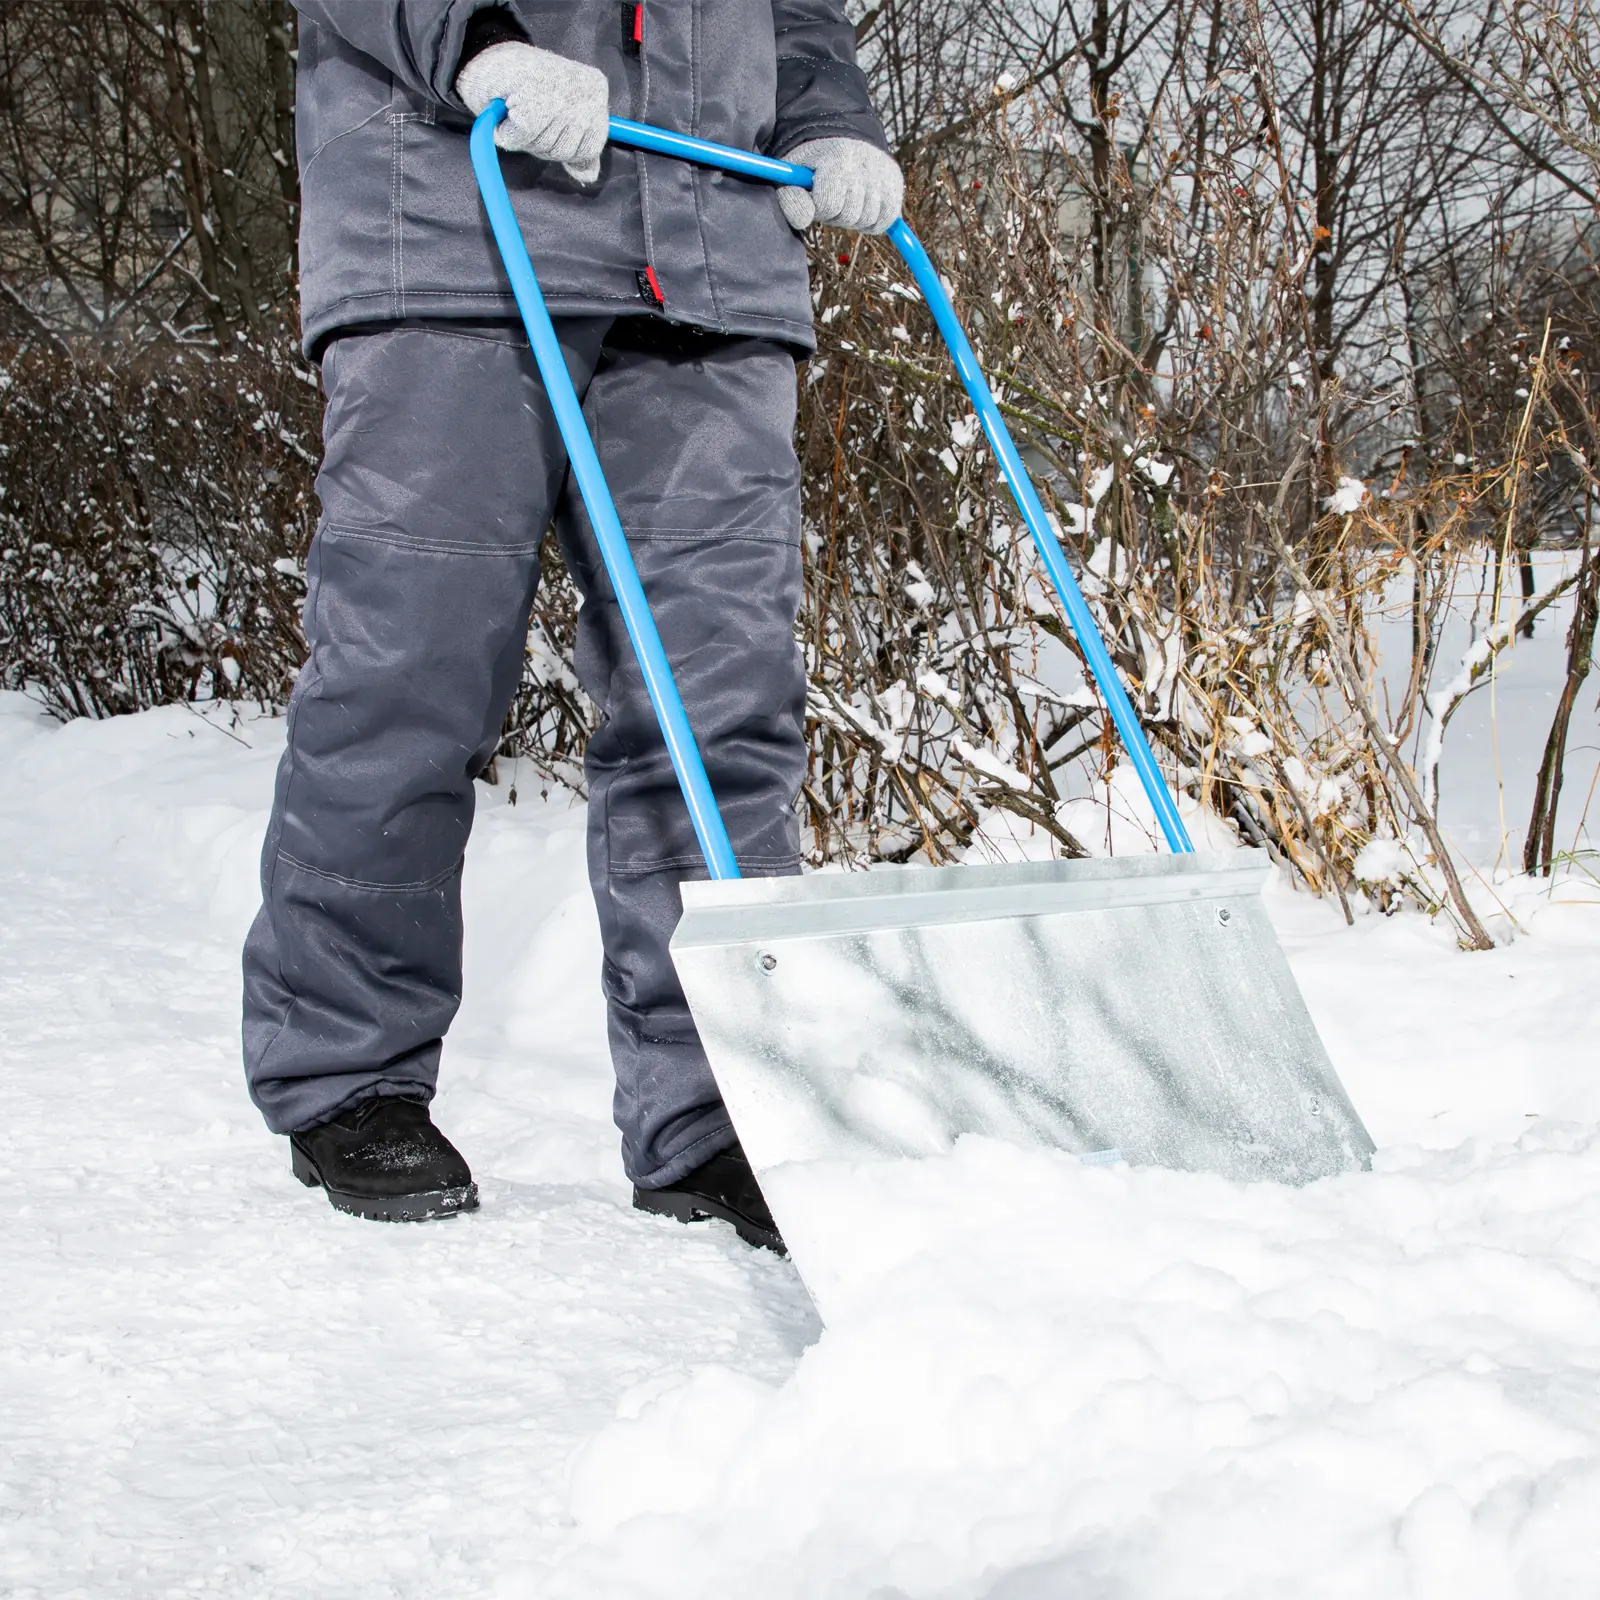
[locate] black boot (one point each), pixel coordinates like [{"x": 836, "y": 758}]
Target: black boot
[
  {"x": 722, "y": 1187},
  {"x": 384, "y": 1159}
]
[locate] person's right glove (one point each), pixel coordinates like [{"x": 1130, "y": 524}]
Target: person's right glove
[
  {"x": 556, "y": 109},
  {"x": 856, "y": 186}
]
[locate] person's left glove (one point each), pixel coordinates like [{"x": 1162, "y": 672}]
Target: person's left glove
[
  {"x": 556, "y": 109},
  {"x": 856, "y": 186}
]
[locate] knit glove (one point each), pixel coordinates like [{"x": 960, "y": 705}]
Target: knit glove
[
  {"x": 857, "y": 186},
  {"x": 556, "y": 109}
]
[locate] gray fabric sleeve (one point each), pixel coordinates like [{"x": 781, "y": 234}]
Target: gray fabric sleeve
[
  {"x": 419, "y": 41},
  {"x": 822, "y": 93}
]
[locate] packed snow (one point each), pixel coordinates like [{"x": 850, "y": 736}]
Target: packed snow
[{"x": 1042, "y": 1379}]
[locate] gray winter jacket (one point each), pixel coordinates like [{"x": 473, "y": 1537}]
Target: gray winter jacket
[{"x": 392, "y": 226}]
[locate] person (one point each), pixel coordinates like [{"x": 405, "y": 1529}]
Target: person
[{"x": 681, "y": 301}]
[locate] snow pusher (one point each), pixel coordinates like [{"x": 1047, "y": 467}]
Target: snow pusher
[{"x": 1132, "y": 1005}]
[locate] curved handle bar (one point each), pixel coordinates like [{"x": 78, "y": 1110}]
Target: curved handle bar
[{"x": 708, "y": 826}]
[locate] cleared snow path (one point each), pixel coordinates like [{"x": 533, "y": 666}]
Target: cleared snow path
[
  {"x": 210, "y": 1382},
  {"x": 1050, "y": 1380}
]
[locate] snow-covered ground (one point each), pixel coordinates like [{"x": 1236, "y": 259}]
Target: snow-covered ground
[
  {"x": 1496, "y": 738},
  {"x": 1044, "y": 1380}
]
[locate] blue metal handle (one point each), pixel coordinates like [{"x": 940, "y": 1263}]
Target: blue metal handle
[
  {"x": 1044, "y": 538},
  {"x": 662, "y": 142},
  {"x": 748, "y": 165},
  {"x": 653, "y": 663},
  {"x": 715, "y": 845}
]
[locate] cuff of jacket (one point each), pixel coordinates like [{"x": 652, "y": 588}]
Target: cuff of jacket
[
  {"x": 492, "y": 26},
  {"x": 471, "y": 28},
  {"x": 822, "y": 98}
]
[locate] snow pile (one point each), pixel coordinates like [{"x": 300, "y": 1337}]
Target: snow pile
[
  {"x": 1113, "y": 816},
  {"x": 1054, "y": 1379},
  {"x": 1042, "y": 1379}
]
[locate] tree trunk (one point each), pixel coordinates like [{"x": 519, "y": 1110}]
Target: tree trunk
[
  {"x": 238, "y": 255},
  {"x": 1538, "y": 850},
  {"x": 282, "y": 48},
  {"x": 1101, "y": 148},
  {"x": 194, "y": 188},
  {"x": 1325, "y": 129}
]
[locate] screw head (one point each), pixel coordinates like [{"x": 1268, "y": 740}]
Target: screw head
[{"x": 768, "y": 961}]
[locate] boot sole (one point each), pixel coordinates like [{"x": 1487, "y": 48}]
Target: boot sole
[
  {"x": 696, "y": 1208},
  {"x": 421, "y": 1207}
]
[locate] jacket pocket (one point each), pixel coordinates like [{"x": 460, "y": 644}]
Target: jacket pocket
[{"x": 337, "y": 90}]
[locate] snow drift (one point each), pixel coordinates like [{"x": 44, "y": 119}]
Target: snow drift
[{"x": 1044, "y": 1379}]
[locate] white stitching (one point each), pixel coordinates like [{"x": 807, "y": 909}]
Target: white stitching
[
  {"x": 433, "y": 547},
  {"x": 419, "y": 887},
  {"x": 334, "y": 138},
  {"x": 400, "y": 214},
  {"x": 640, "y": 163},
  {"x": 777, "y": 865},
  {"x": 394, "y": 215},
  {"x": 694, "y": 171}
]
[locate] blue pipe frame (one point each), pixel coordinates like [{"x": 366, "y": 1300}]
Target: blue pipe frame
[{"x": 715, "y": 845}]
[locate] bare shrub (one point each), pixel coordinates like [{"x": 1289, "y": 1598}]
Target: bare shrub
[
  {"x": 1178, "y": 458},
  {"x": 1276, "y": 298},
  {"x": 156, "y": 514}
]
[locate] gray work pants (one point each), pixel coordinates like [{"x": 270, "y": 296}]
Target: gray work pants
[{"x": 442, "y": 470}]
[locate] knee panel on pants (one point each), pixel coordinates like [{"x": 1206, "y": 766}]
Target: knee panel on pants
[
  {"x": 441, "y": 468},
  {"x": 698, "y": 448}
]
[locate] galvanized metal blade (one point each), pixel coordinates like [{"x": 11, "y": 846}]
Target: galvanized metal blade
[{"x": 1136, "y": 1004}]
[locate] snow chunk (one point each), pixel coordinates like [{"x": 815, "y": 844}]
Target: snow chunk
[
  {"x": 920, "y": 591},
  {"x": 1035, "y": 690},
  {"x": 1248, "y": 740},
  {"x": 1347, "y": 497},
  {"x": 897, "y": 703},
  {"x": 936, "y": 688},
  {"x": 1382, "y": 861},
  {"x": 964, "y": 431},
  {"x": 1100, "y": 558},
  {"x": 991, "y": 766},
  {"x": 1080, "y": 519}
]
